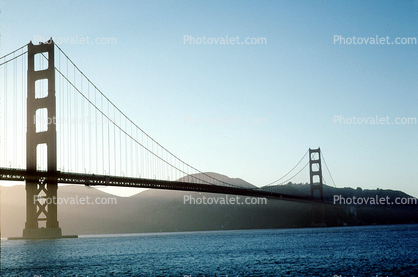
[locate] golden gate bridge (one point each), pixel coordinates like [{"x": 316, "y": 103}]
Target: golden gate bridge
[{"x": 58, "y": 127}]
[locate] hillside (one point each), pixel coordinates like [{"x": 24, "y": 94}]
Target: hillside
[{"x": 164, "y": 210}]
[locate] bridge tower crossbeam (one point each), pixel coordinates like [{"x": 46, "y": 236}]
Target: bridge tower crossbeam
[
  {"x": 317, "y": 190},
  {"x": 40, "y": 190}
]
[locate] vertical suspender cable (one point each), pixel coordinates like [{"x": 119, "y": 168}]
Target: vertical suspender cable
[
  {"x": 114, "y": 142},
  {"x": 108, "y": 136},
  {"x": 81, "y": 121},
  {"x": 68, "y": 138},
  {"x": 89, "y": 136},
  {"x": 5, "y": 114},
  {"x": 23, "y": 117},
  {"x": 102, "y": 123},
  {"x": 15, "y": 111}
]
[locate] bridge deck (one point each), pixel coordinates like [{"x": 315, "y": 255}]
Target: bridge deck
[{"x": 8, "y": 174}]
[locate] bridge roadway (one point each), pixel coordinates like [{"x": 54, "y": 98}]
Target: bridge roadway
[{"x": 8, "y": 174}]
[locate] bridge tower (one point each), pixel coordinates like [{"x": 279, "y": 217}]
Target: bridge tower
[
  {"x": 317, "y": 192},
  {"x": 45, "y": 135}
]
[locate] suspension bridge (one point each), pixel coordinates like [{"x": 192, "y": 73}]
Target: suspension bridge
[{"x": 58, "y": 127}]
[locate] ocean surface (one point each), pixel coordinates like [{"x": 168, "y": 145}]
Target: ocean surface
[{"x": 345, "y": 251}]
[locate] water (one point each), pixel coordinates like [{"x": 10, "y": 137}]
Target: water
[{"x": 347, "y": 251}]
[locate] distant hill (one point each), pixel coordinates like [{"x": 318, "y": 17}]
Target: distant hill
[
  {"x": 232, "y": 181},
  {"x": 165, "y": 210},
  {"x": 362, "y": 214},
  {"x": 290, "y": 189},
  {"x": 329, "y": 192}
]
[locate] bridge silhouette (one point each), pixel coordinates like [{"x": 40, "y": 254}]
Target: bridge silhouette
[{"x": 58, "y": 127}]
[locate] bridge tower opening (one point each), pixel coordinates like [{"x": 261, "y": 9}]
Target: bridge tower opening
[
  {"x": 41, "y": 194},
  {"x": 317, "y": 190}
]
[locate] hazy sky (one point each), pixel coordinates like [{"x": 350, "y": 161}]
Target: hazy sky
[{"x": 250, "y": 110}]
